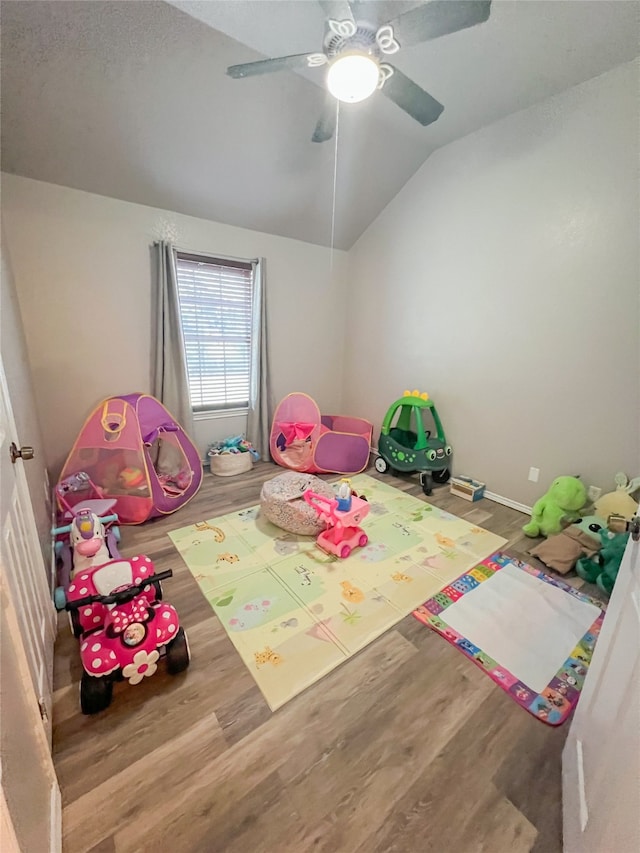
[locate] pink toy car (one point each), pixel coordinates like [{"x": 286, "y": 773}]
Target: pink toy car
[
  {"x": 343, "y": 533},
  {"x": 89, "y": 582},
  {"x": 125, "y": 629}
]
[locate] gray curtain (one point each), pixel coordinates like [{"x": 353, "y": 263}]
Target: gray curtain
[
  {"x": 260, "y": 403},
  {"x": 169, "y": 382}
]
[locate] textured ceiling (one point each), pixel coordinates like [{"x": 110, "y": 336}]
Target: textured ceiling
[{"x": 130, "y": 100}]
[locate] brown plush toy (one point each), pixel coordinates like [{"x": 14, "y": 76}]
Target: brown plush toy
[{"x": 562, "y": 551}]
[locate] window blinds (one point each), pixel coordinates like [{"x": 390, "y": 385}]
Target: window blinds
[{"x": 216, "y": 299}]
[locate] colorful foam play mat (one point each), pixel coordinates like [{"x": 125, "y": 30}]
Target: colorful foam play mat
[
  {"x": 294, "y": 612},
  {"x": 531, "y": 633}
]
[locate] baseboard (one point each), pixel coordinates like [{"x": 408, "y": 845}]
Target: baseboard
[{"x": 499, "y": 499}]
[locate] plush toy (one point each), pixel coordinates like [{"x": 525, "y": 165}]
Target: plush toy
[
  {"x": 581, "y": 539},
  {"x": 235, "y": 444},
  {"x": 131, "y": 478},
  {"x": 619, "y": 502},
  {"x": 603, "y": 570},
  {"x": 562, "y": 503}
]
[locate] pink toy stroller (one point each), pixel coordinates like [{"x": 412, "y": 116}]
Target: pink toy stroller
[{"x": 343, "y": 532}]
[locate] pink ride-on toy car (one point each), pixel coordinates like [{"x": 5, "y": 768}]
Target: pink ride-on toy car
[
  {"x": 343, "y": 533},
  {"x": 93, "y": 584},
  {"x": 125, "y": 630}
]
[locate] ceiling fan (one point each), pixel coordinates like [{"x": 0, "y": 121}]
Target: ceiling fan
[{"x": 355, "y": 51}]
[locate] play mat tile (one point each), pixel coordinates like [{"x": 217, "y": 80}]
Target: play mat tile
[
  {"x": 293, "y": 612},
  {"x": 532, "y": 633}
]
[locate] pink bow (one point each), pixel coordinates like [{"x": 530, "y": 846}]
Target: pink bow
[
  {"x": 296, "y": 431},
  {"x": 137, "y": 611}
]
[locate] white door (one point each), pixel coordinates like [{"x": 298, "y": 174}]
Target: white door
[
  {"x": 26, "y": 576},
  {"x": 28, "y": 622},
  {"x": 601, "y": 759}
]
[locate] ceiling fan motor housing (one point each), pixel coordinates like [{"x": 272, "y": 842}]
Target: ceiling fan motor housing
[{"x": 362, "y": 40}]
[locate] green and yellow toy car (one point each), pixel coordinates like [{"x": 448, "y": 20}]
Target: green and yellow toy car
[{"x": 408, "y": 446}]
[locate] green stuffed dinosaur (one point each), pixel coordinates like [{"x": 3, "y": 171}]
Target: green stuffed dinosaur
[
  {"x": 562, "y": 503},
  {"x": 603, "y": 569}
]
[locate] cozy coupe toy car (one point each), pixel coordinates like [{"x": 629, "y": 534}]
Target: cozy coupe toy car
[{"x": 409, "y": 446}]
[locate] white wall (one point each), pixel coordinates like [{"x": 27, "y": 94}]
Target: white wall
[
  {"x": 82, "y": 268},
  {"x": 504, "y": 280},
  {"x": 13, "y": 353}
]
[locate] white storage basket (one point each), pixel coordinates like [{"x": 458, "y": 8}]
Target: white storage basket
[{"x": 230, "y": 464}]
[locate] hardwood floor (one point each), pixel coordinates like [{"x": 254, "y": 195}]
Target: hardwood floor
[{"x": 405, "y": 747}]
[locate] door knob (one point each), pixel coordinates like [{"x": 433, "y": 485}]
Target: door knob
[{"x": 23, "y": 453}]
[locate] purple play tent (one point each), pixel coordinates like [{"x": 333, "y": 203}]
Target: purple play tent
[
  {"x": 305, "y": 440},
  {"x": 136, "y": 453}
]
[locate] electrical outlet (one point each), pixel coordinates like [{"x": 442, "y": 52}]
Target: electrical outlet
[
  {"x": 594, "y": 493},
  {"x": 534, "y": 473}
]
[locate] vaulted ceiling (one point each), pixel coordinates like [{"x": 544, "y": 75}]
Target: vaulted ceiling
[{"x": 131, "y": 100}]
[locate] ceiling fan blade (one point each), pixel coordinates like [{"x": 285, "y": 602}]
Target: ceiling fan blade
[
  {"x": 266, "y": 66},
  {"x": 411, "y": 98},
  {"x": 327, "y": 122},
  {"x": 337, "y": 10},
  {"x": 438, "y": 18}
]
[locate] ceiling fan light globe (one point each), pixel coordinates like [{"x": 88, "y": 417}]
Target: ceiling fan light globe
[{"x": 353, "y": 77}]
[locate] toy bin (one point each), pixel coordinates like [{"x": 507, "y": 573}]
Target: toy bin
[
  {"x": 231, "y": 456},
  {"x": 230, "y": 464},
  {"x": 467, "y": 488}
]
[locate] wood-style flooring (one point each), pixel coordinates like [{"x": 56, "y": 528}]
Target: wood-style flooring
[{"x": 405, "y": 747}]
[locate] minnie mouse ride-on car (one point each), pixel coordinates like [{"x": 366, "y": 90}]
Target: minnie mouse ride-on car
[{"x": 125, "y": 629}]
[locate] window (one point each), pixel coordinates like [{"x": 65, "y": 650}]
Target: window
[{"x": 216, "y": 308}]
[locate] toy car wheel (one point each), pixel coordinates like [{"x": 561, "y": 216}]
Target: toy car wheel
[
  {"x": 59, "y": 598},
  {"x": 441, "y": 476},
  {"x": 381, "y": 465},
  {"x": 425, "y": 482},
  {"x": 178, "y": 654},
  {"x": 95, "y": 693},
  {"x": 362, "y": 541},
  {"x": 344, "y": 552}
]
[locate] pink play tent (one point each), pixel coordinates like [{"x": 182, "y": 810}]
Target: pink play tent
[
  {"x": 304, "y": 440},
  {"x": 136, "y": 453}
]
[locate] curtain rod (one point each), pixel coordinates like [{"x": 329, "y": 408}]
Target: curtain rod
[{"x": 209, "y": 254}]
